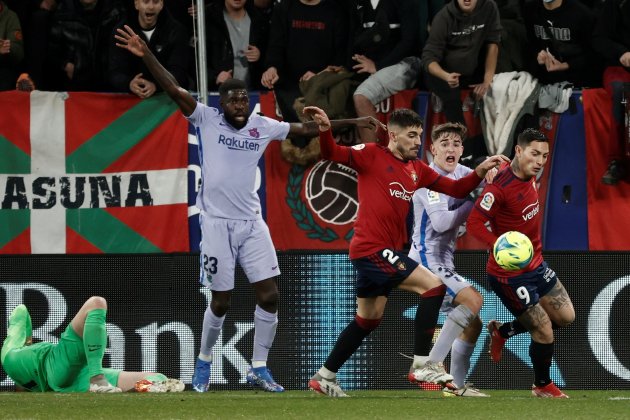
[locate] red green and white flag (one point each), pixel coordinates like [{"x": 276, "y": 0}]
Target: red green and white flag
[{"x": 92, "y": 173}]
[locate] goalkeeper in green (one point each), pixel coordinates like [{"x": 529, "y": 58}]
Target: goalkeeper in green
[{"x": 75, "y": 363}]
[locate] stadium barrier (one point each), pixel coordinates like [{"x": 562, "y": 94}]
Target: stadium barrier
[{"x": 156, "y": 306}]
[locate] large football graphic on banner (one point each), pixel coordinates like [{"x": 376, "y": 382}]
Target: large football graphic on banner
[{"x": 331, "y": 192}]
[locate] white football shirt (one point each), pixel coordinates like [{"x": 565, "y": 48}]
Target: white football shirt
[
  {"x": 229, "y": 158},
  {"x": 437, "y": 218}
]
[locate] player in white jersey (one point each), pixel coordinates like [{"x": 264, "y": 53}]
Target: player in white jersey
[
  {"x": 437, "y": 219},
  {"x": 230, "y": 146}
]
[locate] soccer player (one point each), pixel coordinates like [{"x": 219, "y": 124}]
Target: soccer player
[
  {"x": 437, "y": 218},
  {"x": 534, "y": 295},
  {"x": 387, "y": 178},
  {"x": 232, "y": 227},
  {"x": 75, "y": 363}
]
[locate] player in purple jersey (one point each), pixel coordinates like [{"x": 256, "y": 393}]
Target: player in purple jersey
[
  {"x": 230, "y": 145},
  {"x": 437, "y": 219}
]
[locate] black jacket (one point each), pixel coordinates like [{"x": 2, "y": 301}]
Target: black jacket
[
  {"x": 83, "y": 38},
  {"x": 611, "y": 37},
  {"x": 386, "y": 34},
  {"x": 306, "y": 38},
  {"x": 167, "y": 43},
  {"x": 219, "y": 47},
  {"x": 567, "y": 33}
]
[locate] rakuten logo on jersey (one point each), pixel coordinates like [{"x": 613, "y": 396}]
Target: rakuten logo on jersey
[
  {"x": 233, "y": 143},
  {"x": 396, "y": 190},
  {"x": 530, "y": 211}
]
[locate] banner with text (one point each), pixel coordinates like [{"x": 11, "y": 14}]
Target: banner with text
[{"x": 92, "y": 173}]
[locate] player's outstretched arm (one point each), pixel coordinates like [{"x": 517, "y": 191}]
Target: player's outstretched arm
[
  {"x": 330, "y": 150},
  {"x": 126, "y": 38},
  {"x": 311, "y": 128}
]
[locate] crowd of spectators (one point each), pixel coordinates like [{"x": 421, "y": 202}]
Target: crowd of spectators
[{"x": 378, "y": 47}]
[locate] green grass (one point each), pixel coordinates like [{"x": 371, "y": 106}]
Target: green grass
[{"x": 401, "y": 404}]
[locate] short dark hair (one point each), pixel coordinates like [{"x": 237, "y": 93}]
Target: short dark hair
[
  {"x": 529, "y": 135},
  {"x": 405, "y": 118},
  {"x": 449, "y": 127},
  {"x": 231, "y": 84}
]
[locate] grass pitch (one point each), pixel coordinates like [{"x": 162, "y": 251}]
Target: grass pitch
[{"x": 399, "y": 404}]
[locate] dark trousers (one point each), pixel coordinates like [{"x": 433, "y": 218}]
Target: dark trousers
[{"x": 451, "y": 97}]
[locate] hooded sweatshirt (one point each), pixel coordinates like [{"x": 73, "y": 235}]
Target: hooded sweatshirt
[{"x": 456, "y": 39}]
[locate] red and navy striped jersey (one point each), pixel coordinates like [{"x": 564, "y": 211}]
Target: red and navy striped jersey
[
  {"x": 509, "y": 203},
  {"x": 385, "y": 187}
]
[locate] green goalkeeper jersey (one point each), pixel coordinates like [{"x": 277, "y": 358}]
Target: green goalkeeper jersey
[{"x": 25, "y": 366}]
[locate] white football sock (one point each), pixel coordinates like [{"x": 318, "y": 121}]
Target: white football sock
[
  {"x": 265, "y": 325},
  {"x": 457, "y": 320},
  {"x": 460, "y": 361},
  {"x": 211, "y": 329}
]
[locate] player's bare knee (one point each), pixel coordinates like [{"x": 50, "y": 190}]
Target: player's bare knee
[
  {"x": 268, "y": 300},
  {"x": 566, "y": 318},
  {"x": 542, "y": 335},
  {"x": 471, "y": 298},
  {"x": 220, "y": 307},
  {"x": 95, "y": 302}
]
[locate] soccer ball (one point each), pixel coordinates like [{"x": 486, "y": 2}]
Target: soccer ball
[
  {"x": 513, "y": 251},
  {"x": 331, "y": 192}
]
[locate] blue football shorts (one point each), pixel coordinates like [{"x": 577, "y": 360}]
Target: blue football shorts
[
  {"x": 524, "y": 291},
  {"x": 381, "y": 272}
]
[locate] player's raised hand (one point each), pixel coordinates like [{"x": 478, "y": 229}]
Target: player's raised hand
[
  {"x": 319, "y": 116},
  {"x": 490, "y": 175},
  {"x": 490, "y": 163},
  {"x": 130, "y": 41}
]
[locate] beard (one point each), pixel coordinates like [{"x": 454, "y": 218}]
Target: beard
[{"x": 235, "y": 123}]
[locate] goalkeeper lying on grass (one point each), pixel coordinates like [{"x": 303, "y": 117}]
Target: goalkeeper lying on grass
[{"x": 75, "y": 364}]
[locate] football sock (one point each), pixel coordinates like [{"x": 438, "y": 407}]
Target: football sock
[
  {"x": 95, "y": 340},
  {"x": 347, "y": 343},
  {"x": 419, "y": 361},
  {"x": 426, "y": 318},
  {"x": 265, "y": 324},
  {"x": 460, "y": 361},
  {"x": 510, "y": 329},
  {"x": 541, "y": 355},
  {"x": 457, "y": 320},
  {"x": 327, "y": 374},
  {"x": 211, "y": 329}
]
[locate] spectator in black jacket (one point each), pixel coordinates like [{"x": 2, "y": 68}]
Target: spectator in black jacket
[
  {"x": 385, "y": 47},
  {"x": 559, "y": 33},
  {"x": 306, "y": 37},
  {"x": 237, "y": 35},
  {"x": 167, "y": 40},
  {"x": 80, "y": 39}
]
